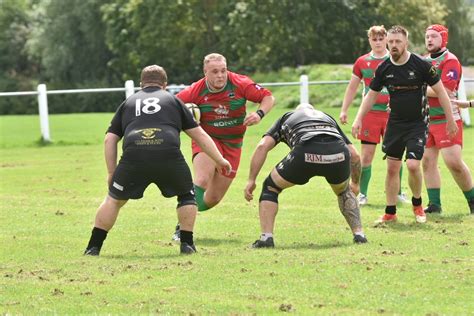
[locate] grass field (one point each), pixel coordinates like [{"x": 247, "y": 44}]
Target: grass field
[{"x": 49, "y": 198}]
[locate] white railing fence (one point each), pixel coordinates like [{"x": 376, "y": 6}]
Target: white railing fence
[{"x": 129, "y": 88}]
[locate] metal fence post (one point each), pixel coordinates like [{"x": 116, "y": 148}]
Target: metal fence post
[
  {"x": 304, "y": 89},
  {"x": 129, "y": 88},
  {"x": 43, "y": 112}
]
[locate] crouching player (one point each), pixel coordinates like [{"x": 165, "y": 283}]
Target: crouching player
[{"x": 318, "y": 148}]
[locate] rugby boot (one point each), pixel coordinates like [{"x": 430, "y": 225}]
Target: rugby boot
[
  {"x": 420, "y": 215},
  {"x": 187, "y": 249},
  {"x": 360, "y": 239},
  {"x": 363, "y": 200},
  {"x": 471, "y": 205},
  {"x": 177, "y": 234},
  {"x": 433, "y": 208},
  {"x": 386, "y": 218},
  {"x": 264, "y": 244},
  {"x": 92, "y": 251}
]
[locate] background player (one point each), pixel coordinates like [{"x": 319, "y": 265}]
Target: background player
[
  {"x": 449, "y": 69},
  {"x": 374, "y": 123}
]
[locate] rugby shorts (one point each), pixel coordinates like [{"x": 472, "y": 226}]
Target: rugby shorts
[{"x": 324, "y": 156}]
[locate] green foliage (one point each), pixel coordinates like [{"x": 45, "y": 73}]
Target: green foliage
[
  {"x": 461, "y": 36},
  {"x": 100, "y": 43}
]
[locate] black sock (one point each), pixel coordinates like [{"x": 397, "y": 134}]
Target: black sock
[
  {"x": 391, "y": 209},
  {"x": 416, "y": 201},
  {"x": 186, "y": 237},
  {"x": 97, "y": 238}
]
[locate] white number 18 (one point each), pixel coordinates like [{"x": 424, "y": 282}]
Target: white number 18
[{"x": 151, "y": 106}]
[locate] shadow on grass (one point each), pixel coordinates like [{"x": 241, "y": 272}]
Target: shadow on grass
[
  {"x": 215, "y": 242},
  {"x": 442, "y": 218},
  {"x": 314, "y": 246}
]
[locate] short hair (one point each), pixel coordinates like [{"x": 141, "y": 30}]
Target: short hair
[
  {"x": 153, "y": 75},
  {"x": 377, "y": 30},
  {"x": 398, "y": 29},
  {"x": 212, "y": 57}
]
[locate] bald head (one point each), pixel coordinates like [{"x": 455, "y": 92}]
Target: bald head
[
  {"x": 153, "y": 76},
  {"x": 304, "y": 106}
]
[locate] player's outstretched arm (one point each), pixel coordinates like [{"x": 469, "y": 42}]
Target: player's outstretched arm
[
  {"x": 463, "y": 104},
  {"x": 349, "y": 96},
  {"x": 367, "y": 103},
  {"x": 110, "y": 151},
  {"x": 207, "y": 145},
  {"x": 267, "y": 104},
  {"x": 258, "y": 159}
]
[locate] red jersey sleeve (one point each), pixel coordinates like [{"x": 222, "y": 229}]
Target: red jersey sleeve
[
  {"x": 189, "y": 94},
  {"x": 356, "y": 68},
  {"x": 250, "y": 90},
  {"x": 451, "y": 74}
]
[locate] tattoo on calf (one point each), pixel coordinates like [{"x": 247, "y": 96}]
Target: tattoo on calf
[
  {"x": 350, "y": 208},
  {"x": 355, "y": 171}
]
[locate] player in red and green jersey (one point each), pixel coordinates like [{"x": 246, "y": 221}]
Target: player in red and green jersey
[
  {"x": 374, "y": 123},
  {"x": 222, "y": 96},
  {"x": 449, "y": 69}
]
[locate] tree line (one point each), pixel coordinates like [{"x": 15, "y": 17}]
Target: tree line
[{"x": 72, "y": 44}]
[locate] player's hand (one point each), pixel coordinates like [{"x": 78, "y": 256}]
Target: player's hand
[
  {"x": 343, "y": 117},
  {"x": 252, "y": 119},
  {"x": 224, "y": 167},
  {"x": 356, "y": 126},
  {"x": 460, "y": 104},
  {"x": 248, "y": 191},
  {"x": 451, "y": 129}
]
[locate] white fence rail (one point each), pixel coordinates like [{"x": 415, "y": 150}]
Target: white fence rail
[{"x": 130, "y": 88}]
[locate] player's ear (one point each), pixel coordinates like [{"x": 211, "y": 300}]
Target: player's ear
[{"x": 141, "y": 85}]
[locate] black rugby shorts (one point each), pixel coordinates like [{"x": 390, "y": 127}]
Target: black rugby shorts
[
  {"x": 325, "y": 156},
  {"x": 131, "y": 178}
]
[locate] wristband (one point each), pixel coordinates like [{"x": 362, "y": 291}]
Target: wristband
[{"x": 260, "y": 113}]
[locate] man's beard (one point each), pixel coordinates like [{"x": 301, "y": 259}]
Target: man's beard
[
  {"x": 433, "y": 49},
  {"x": 397, "y": 54}
]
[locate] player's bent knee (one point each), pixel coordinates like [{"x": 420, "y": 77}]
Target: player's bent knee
[
  {"x": 186, "y": 199},
  {"x": 270, "y": 191}
]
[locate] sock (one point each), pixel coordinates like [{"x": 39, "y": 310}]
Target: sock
[
  {"x": 200, "y": 198},
  {"x": 400, "y": 188},
  {"x": 359, "y": 234},
  {"x": 365, "y": 178},
  {"x": 265, "y": 236},
  {"x": 434, "y": 196},
  {"x": 391, "y": 209},
  {"x": 187, "y": 237},
  {"x": 97, "y": 238},
  {"x": 416, "y": 201},
  {"x": 469, "y": 194}
]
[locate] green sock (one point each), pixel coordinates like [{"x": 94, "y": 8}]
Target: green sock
[
  {"x": 365, "y": 178},
  {"x": 434, "y": 196},
  {"x": 400, "y": 188},
  {"x": 469, "y": 194},
  {"x": 200, "y": 198}
]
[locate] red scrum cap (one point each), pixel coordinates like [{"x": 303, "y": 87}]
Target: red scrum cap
[{"x": 442, "y": 30}]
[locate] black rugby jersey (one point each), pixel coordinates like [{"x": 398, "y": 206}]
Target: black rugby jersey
[
  {"x": 406, "y": 85},
  {"x": 151, "y": 119},
  {"x": 298, "y": 126}
]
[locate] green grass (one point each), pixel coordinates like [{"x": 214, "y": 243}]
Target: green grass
[{"x": 50, "y": 194}]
